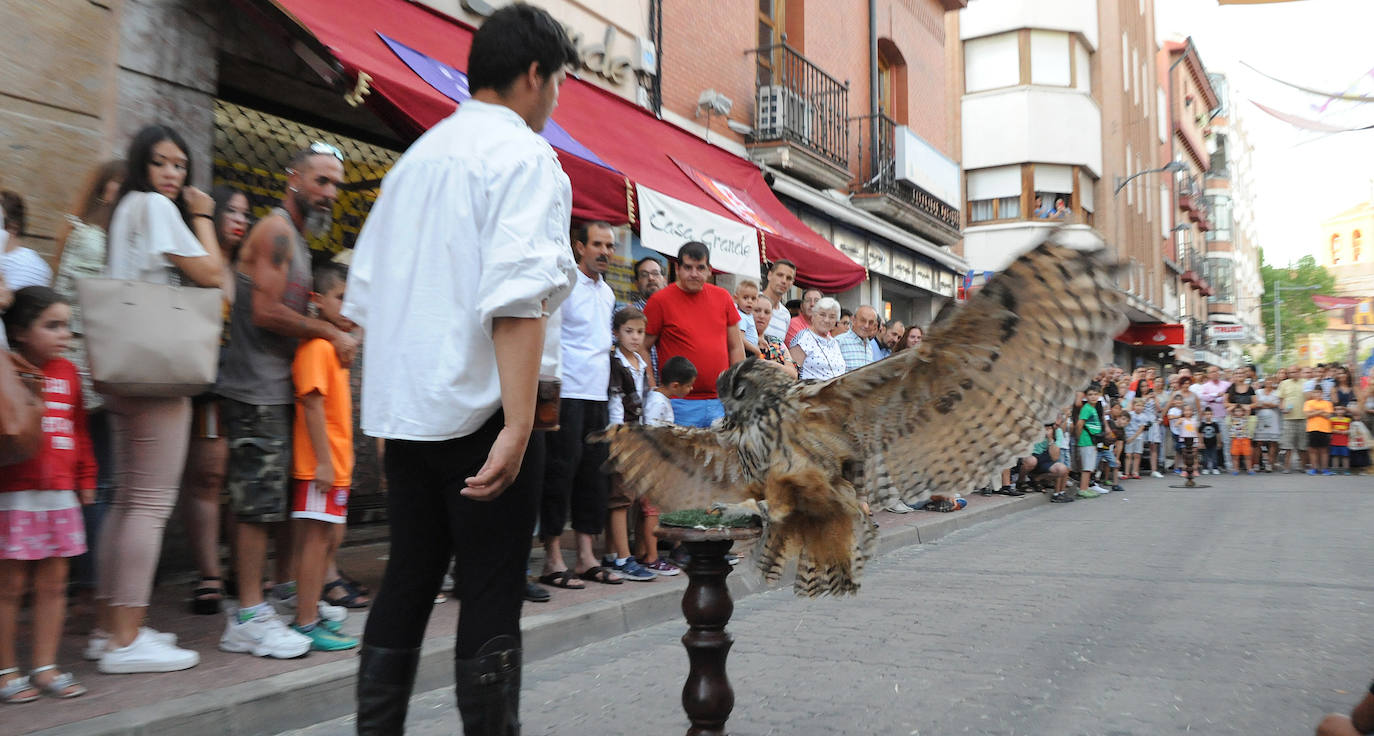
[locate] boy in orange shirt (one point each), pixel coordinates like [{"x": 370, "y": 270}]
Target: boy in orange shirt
[
  {"x": 322, "y": 464},
  {"x": 1318, "y": 412}
]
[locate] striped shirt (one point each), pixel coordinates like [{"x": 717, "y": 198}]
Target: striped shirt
[{"x": 857, "y": 351}]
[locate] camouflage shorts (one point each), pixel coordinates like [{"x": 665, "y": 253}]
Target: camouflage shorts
[{"x": 259, "y": 472}]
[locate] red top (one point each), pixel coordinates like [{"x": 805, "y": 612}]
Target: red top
[
  {"x": 1340, "y": 431},
  {"x": 64, "y": 461},
  {"x": 695, "y": 326}
]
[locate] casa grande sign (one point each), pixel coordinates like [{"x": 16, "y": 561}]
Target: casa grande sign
[{"x": 594, "y": 56}]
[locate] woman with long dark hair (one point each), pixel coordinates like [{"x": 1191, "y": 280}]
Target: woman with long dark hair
[{"x": 162, "y": 232}]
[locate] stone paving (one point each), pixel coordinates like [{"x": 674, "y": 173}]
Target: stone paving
[{"x": 1245, "y": 608}]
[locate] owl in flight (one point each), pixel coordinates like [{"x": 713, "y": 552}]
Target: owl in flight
[{"x": 971, "y": 399}]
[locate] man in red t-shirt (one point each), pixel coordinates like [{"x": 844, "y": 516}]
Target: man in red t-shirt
[{"x": 698, "y": 321}]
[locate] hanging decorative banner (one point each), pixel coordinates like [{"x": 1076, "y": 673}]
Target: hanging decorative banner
[
  {"x": 667, "y": 223},
  {"x": 1337, "y": 302}
]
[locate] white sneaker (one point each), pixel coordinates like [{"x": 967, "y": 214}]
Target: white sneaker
[
  {"x": 1156, "y": 474},
  {"x": 146, "y": 653},
  {"x": 264, "y": 635},
  {"x": 100, "y": 639},
  {"x": 287, "y": 607},
  {"x": 1099, "y": 489},
  {"x": 331, "y": 613},
  {"x": 898, "y": 507}
]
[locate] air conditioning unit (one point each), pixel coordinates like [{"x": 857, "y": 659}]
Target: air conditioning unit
[{"x": 782, "y": 112}]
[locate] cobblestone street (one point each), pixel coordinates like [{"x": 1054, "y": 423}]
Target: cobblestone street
[{"x": 1244, "y": 608}]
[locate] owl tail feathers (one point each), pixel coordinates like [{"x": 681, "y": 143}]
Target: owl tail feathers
[{"x": 811, "y": 521}]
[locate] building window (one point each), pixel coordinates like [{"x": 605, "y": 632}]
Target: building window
[
  {"x": 992, "y": 62},
  {"x": 994, "y": 194},
  {"x": 892, "y": 83},
  {"x": 1162, "y": 115},
  {"x": 1135, "y": 69},
  {"x": 1220, "y": 208},
  {"x": 1336, "y": 249},
  {"x": 1054, "y": 189},
  {"x": 1355, "y": 245},
  {"x": 1125, "y": 62},
  {"x": 1220, "y": 273},
  {"x": 1049, "y": 63},
  {"x": 1083, "y": 66},
  {"x": 771, "y": 30},
  {"x": 1086, "y": 200}
]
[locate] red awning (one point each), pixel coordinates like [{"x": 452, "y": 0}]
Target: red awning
[
  {"x": 1153, "y": 335},
  {"x": 627, "y": 138}
]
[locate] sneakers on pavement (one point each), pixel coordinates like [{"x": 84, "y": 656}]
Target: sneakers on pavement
[
  {"x": 663, "y": 567},
  {"x": 897, "y": 507},
  {"x": 1061, "y": 497},
  {"x": 99, "y": 639},
  {"x": 263, "y": 635},
  {"x": 324, "y": 640},
  {"x": 147, "y": 653},
  {"x": 286, "y": 607},
  {"x": 630, "y": 569},
  {"x": 1099, "y": 490},
  {"x": 1118, "y": 488},
  {"x": 1088, "y": 493},
  {"x": 1156, "y": 474}
]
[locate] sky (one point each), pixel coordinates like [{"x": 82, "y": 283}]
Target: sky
[{"x": 1301, "y": 177}]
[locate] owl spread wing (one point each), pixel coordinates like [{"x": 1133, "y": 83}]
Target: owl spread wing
[
  {"x": 679, "y": 467},
  {"x": 977, "y": 393}
]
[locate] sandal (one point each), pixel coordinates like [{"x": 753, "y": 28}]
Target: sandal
[
  {"x": 562, "y": 579},
  {"x": 354, "y": 584},
  {"x": 10, "y": 693},
  {"x": 351, "y": 596},
  {"x": 62, "y": 685},
  {"x": 206, "y": 599},
  {"x": 601, "y": 575}
]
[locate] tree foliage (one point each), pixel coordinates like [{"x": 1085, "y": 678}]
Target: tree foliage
[{"x": 1299, "y": 315}]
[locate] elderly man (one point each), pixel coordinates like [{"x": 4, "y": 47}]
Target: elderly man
[
  {"x": 1293, "y": 442},
  {"x": 1211, "y": 394},
  {"x": 803, "y": 321},
  {"x": 858, "y": 344}
]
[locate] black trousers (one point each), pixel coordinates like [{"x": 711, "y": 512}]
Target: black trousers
[
  {"x": 431, "y": 523},
  {"x": 572, "y": 471}
]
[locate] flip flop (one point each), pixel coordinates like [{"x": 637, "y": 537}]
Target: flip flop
[
  {"x": 601, "y": 575},
  {"x": 561, "y": 579}
]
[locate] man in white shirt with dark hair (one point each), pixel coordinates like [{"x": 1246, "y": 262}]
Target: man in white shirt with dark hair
[{"x": 456, "y": 280}]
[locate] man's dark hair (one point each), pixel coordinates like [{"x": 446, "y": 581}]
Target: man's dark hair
[
  {"x": 845, "y": 313},
  {"x": 677, "y": 369},
  {"x": 695, "y": 251},
  {"x": 781, "y": 262},
  {"x": 328, "y": 275},
  {"x": 13, "y": 206},
  {"x": 583, "y": 231},
  {"x": 810, "y": 289},
  {"x": 510, "y": 40},
  {"x": 645, "y": 260},
  {"x": 793, "y": 305}
]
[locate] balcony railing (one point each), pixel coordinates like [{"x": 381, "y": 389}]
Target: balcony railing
[
  {"x": 878, "y": 170},
  {"x": 799, "y": 103}
]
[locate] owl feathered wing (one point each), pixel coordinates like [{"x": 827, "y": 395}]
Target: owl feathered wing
[
  {"x": 679, "y": 467},
  {"x": 977, "y": 393}
]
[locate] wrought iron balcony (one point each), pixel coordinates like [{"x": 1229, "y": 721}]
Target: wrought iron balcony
[
  {"x": 798, "y": 104},
  {"x": 878, "y": 176}
]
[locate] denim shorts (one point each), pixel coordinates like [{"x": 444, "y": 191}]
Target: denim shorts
[
  {"x": 697, "y": 412},
  {"x": 259, "y": 472}
]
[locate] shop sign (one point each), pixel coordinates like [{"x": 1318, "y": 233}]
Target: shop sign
[
  {"x": 945, "y": 285},
  {"x": 667, "y": 223},
  {"x": 902, "y": 267},
  {"x": 852, "y": 245},
  {"x": 594, "y": 56},
  {"x": 879, "y": 259},
  {"x": 923, "y": 276},
  {"x": 1224, "y": 331}
]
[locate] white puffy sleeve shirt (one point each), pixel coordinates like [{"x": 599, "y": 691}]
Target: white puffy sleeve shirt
[
  {"x": 146, "y": 228},
  {"x": 471, "y": 224}
]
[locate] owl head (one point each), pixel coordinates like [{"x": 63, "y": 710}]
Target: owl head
[{"x": 752, "y": 386}]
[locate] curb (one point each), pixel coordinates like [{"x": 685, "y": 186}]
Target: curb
[{"x": 305, "y": 697}]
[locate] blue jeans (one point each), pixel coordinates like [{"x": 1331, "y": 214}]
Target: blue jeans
[{"x": 697, "y": 412}]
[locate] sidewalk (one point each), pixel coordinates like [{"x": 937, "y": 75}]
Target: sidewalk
[{"x": 237, "y": 695}]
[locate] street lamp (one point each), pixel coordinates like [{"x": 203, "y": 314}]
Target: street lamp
[
  {"x": 1278, "y": 318},
  {"x": 1172, "y": 167}
]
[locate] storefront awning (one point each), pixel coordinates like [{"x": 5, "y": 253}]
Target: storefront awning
[
  {"x": 1153, "y": 335},
  {"x": 613, "y": 144}
]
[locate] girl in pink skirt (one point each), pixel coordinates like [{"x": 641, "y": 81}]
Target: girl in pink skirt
[{"x": 40, "y": 502}]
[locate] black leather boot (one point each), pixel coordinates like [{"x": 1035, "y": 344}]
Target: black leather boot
[
  {"x": 488, "y": 689},
  {"x": 385, "y": 680}
]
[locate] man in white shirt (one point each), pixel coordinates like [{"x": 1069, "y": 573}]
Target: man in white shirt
[
  {"x": 782, "y": 273},
  {"x": 462, "y": 262},
  {"x": 572, "y": 466}
]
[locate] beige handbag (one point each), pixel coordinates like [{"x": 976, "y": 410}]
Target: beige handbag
[{"x": 146, "y": 339}]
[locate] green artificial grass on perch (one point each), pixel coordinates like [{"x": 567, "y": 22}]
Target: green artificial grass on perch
[{"x": 703, "y": 519}]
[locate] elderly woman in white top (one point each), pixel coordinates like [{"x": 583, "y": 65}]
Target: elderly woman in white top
[
  {"x": 161, "y": 226},
  {"x": 817, "y": 353}
]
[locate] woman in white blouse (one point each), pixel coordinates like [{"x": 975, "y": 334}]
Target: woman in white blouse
[
  {"x": 813, "y": 349},
  {"x": 162, "y": 232}
]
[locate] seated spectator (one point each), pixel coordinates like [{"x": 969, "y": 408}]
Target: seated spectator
[
  {"x": 814, "y": 350},
  {"x": 1360, "y": 722},
  {"x": 841, "y": 327},
  {"x": 857, "y": 342},
  {"x": 910, "y": 340},
  {"x": 1046, "y": 464},
  {"x": 746, "y": 294},
  {"x": 19, "y": 266},
  {"x": 803, "y": 318},
  {"x": 771, "y": 347}
]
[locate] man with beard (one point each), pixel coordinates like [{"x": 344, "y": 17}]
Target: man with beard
[
  {"x": 268, "y": 322},
  {"x": 890, "y": 337},
  {"x": 648, "y": 280},
  {"x": 572, "y": 470}
]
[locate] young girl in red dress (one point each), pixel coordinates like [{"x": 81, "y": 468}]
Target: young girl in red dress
[{"x": 40, "y": 502}]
